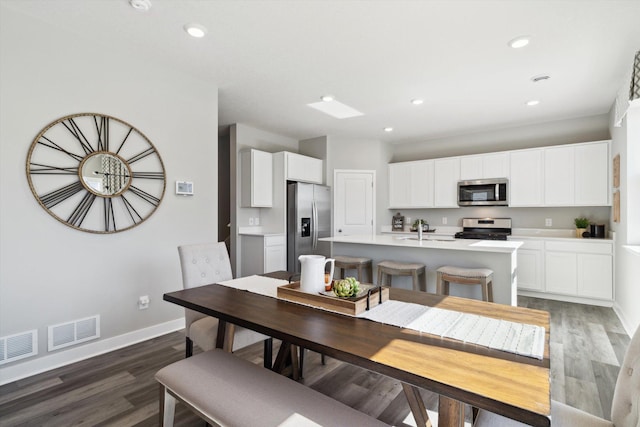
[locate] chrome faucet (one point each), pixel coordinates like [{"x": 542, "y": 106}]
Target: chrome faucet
[{"x": 419, "y": 229}]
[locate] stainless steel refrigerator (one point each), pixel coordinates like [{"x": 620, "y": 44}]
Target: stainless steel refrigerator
[{"x": 308, "y": 219}]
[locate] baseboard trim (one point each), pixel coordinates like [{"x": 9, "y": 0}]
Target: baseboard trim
[
  {"x": 625, "y": 324},
  {"x": 566, "y": 298},
  {"x": 62, "y": 358}
]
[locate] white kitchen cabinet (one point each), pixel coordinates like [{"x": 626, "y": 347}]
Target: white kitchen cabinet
[
  {"x": 579, "y": 269},
  {"x": 561, "y": 272},
  {"x": 399, "y": 185},
  {"x": 592, "y": 174},
  {"x": 411, "y": 184},
  {"x": 526, "y": 178},
  {"x": 559, "y": 179},
  {"x": 446, "y": 177},
  {"x": 484, "y": 166},
  {"x": 530, "y": 265},
  {"x": 256, "y": 182},
  {"x": 263, "y": 253},
  {"x": 303, "y": 168},
  {"x": 594, "y": 276},
  {"x": 577, "y": 175}
]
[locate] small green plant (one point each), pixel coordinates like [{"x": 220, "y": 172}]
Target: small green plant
[{"x": 581, "y": 222}]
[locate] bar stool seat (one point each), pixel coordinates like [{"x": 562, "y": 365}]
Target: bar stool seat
[
  {"x": 394, "y": 268},
  {"x": 465, "y": 276},
  {"x": 361, "y": 265}
]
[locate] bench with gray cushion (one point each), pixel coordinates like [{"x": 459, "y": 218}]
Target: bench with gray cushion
[{"x": 225, "y": 389}]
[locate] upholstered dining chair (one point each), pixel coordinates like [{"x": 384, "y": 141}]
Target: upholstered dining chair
[
  {"x": 204, "y": 264},
  {"x": 625, "y": 408}
]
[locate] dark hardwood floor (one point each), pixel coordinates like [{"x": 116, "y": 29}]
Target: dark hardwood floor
[{"x": 118, "y": 388}]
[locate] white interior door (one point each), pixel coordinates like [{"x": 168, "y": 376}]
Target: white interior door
[{"x": 354, "y": 202}]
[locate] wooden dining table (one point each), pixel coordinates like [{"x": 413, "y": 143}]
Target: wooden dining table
[{"x": 515, "y": 386}]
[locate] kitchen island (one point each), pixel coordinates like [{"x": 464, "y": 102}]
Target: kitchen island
[{"x": 499, "y": 256}]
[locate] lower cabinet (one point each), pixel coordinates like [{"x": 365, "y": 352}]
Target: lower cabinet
[
  {"x": 530, "y": 267},
  {"x": 579, "y": 269},
  {"x": 582, "y": 270},
  {"x": 262, "y": 254}
]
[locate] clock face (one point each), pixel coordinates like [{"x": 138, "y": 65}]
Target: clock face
[{"x": 95, "y": 173}]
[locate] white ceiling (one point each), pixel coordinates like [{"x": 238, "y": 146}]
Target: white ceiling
[{"x": 270, "y": 58}]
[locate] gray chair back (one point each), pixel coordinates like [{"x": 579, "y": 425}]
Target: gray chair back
[
  {"x": 203, "y": 264},
  {"x": 625, "y": 409}
]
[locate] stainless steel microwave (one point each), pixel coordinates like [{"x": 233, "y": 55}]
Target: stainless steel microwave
[{"x": 483, "y": 192}]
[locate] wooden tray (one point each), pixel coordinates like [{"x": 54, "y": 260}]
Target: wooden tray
[{"x": 351, "y": 306}]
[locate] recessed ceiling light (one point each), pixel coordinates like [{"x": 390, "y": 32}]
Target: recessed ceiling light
[
  {"x": 417, "y": 101},
  {"x": 388, "y": 129},
  {"x": 519, "y": 42},
  {"x": 327, "y": 98},
  {"x": 141, "y": 5},
  {"x": 195, "y": 30},
  {"x": 533, "y": 102}
]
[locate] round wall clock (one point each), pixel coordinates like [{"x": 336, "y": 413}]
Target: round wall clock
[{"x": 95, "y": 173}]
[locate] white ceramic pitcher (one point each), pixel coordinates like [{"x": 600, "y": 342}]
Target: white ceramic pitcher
[{"x": 312, "y": 272}]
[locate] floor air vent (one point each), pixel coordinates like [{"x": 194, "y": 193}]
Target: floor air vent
[
  {"x": 75, "y": 332},
  {"x": 18, "y": 346}
]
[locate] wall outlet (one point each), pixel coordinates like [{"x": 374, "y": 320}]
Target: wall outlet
[
  {"x": 548, "y": 222},
  {"x": 444, "y": 220},
  {"x": 250, "y": 221},
  {"x": 143, "y": 302},
  {"x": 257, "y": 221}
]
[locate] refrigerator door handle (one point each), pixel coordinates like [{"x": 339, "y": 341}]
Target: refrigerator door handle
[{"x": 314, "y": 224}]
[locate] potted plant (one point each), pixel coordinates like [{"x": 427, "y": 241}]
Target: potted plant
[{"x": 581, "y": 226}]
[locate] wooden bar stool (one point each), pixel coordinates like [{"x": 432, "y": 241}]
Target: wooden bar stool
[
  {"x": 466, "y": 276},
  {"x": 361, "y": 265},
  {"x": 393, "y": 268}
]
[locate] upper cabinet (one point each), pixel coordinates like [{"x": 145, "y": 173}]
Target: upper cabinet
[
  {"x": 564, "y": 175},
  {"x": 482, "y": 166},
  {"x": 424, "y": 183},
  {"x": 446, "y": 177},
  {"x": 411, "y": 184},
  {"x": 303, "y": 168},
  {"x": 526, "y": 179},
  {"x": 577, "y": 175},
  {"x": 256, "y": 183}
]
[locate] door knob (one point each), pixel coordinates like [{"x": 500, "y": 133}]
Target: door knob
[{"x": 339, "y": 230}]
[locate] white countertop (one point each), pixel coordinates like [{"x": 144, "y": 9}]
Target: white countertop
[
  {"x": 446, "y": 244},
  {"x": 258, "y": 231}
]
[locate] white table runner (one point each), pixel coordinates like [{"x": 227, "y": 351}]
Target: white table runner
[{"x": 513, "y": 337}]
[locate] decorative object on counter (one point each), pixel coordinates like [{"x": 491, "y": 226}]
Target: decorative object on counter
[
  {"x": 597, "y": 231},
  {"x": 581, "y": 226},
  {"x": 397, "y": 222},
  {"x": 425, "y": 225},
  {"x": 616, "y": 206}
]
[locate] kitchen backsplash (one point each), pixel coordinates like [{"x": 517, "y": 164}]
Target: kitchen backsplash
[{"x": 561, "y": 217}]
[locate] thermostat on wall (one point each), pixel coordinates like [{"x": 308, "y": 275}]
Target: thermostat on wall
[{"x": 184, "y": 187}]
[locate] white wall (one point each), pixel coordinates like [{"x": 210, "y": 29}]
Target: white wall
[
  {"x": 52, "y": 273},
  {"x": 626, "y": 143},
  {"x": 583, "y": 129}
]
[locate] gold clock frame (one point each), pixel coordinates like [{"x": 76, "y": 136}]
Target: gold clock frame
[{"x": 81, "y": 158}]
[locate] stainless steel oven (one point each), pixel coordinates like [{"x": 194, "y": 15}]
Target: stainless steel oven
[{"x": 483, "y": 192}]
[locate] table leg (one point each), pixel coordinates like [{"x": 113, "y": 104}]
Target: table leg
[
  {"x": 416, "y": 404},
  {"x": 224, "y": 338},
  {"x": 450, "y": 412}
]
